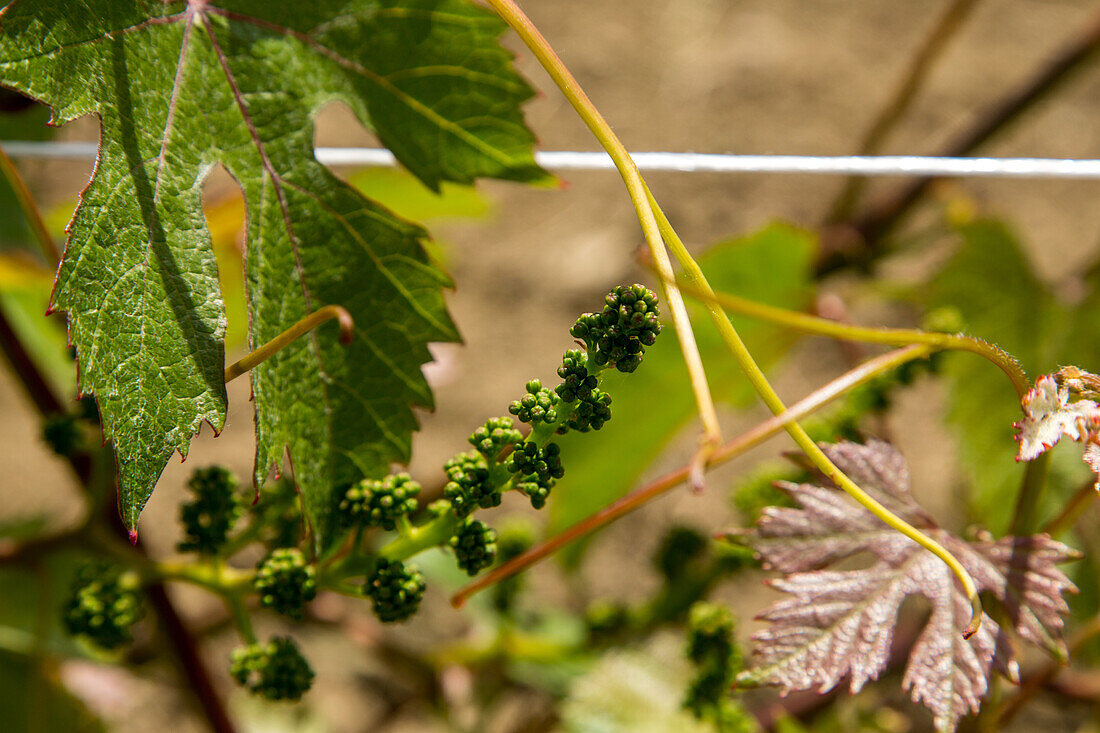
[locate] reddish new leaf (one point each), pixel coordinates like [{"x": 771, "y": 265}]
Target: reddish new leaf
[{"x": 840, "y": 623}]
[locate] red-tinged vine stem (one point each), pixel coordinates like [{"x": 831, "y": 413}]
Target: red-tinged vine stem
[
  {"x": 274, "y": 346},
  {"x": 183, "y": 644},
  {"x": 635, "y": 186},
  {"x": 648, "y": 210},
  {"x": 742, "y": 443},
  {"x": 799, "y": 435}
]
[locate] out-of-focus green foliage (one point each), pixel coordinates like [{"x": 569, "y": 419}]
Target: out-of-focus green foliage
[{"x": 991, "y": 283}]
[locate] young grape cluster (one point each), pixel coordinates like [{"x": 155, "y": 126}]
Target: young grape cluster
[
  {"x": 210, "y": 516},
  {"x": 106, "y": 602},
  {"x": 275, "y": 670},
  {"x": 372, "y": 503},
  {"x": 284, "y": 582},
  {"x": 394, "y": 590}
]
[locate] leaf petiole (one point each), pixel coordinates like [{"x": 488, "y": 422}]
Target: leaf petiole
[{"x": 284, "y": 339}]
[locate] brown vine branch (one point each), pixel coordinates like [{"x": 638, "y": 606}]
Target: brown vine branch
[
  {"x": 641, "y": 496},
  {"x": 920, "y": 65},
  {"x": 30, "y": 377},
  {"x": 183, "y": 643},
  {"x": 871, "y": 226},
  {"x": 313, "y": 320}
]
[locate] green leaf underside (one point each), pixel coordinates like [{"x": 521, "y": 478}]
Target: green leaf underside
[
  {"x": 651, "y": 405},
  {"x": 180, "y": 87}
]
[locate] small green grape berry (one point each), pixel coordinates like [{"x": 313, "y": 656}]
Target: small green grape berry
[
  {"x": 619, "y": 334},
  {"x": 395, "y": 591},
  {"x": 494, "y": 436},
  {"x": 276, "y": 670},
  {"x": 284, "y": 582},
  {"x": 475, "y": 546},
  {"x": 208, "y": 519},
  {"x": 678, "y": 548},
  {"x": 528, "y": 458},
  {"x": 438, "y": 508},
  {"x": 103, "y": 605},
  {"x": 577, "y": 382},
  {"x": 468, "y": 486},
  {"x": 593, "y": 410},
  {"x": 536, "y": 490},
  {"x": 372, "y": 503},
  {"x": 539, "y": 405}
]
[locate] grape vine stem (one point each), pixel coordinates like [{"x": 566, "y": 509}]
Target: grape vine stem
[
  {"x": 635, "y": 186},
  {"x": 651, "y": 216}
]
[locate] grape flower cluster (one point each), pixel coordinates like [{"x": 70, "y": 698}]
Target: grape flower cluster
[{"x": 105, "y": 601}]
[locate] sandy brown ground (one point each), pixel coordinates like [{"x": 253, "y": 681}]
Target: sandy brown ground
[{"x": 754, "y": 76}]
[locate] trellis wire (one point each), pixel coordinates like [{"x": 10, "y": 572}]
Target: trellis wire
[{"x": 857, "y": 165}]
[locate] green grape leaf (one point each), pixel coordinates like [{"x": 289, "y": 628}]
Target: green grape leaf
[
  {"x": 990, "y": 281},
  {"x": 650, "y": 406},
  {"x": 180, "y": 87}
]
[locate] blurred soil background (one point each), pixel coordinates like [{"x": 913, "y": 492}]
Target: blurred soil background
[{"x": 745, "y": 76}]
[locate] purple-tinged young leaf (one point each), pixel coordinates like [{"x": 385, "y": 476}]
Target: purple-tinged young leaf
[
  {"x": 1061, "y": 405},
  {"x": 840, "y": 623}
]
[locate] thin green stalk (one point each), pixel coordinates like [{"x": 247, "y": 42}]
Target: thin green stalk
[
  {"x": 234, "y": 602},
  {"x": 230, "y": 584},
  {"x": 313, "y": 320},
  {"x": 214, "y": 575},
  {"x": 807, "y": 323},
  {"x": 574, "y": 94},
  {"x": 1025, "y": 518},
  {"x": 801, "y": 438},
  {"x": 739, "y": 445},
  {"x": 648, "y": 211},
  {"x": 30, "y": 210}
]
